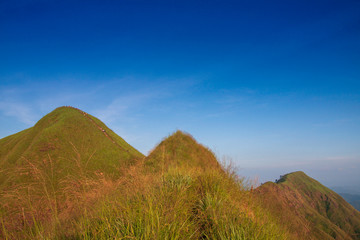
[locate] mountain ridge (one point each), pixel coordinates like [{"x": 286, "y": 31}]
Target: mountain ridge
[{"x": 70, "y": 176}]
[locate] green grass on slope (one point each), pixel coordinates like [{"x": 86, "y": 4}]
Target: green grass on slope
[
  {"x": 328, "y": 204},
  {"x": 120, "y": 141},
  {"x": 72, "y": 141},
  {"x": 310, "y": 209}
]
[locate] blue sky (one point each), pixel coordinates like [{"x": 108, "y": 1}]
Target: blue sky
[{"x": 272, "y": 85}]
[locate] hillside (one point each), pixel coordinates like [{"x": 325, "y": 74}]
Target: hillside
[
  {"x": 309, "y": 209},
  {"x": 67, "y": 134},
  {"x": 63, "y": 151}
]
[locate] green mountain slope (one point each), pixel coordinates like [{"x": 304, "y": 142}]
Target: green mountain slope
[
  {"x": 309, "y": 209},
  {"x": 71, "y": 137},
  {"x": 43, "y": 166}
]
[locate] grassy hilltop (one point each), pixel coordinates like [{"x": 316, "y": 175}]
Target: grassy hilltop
[
  {"x": 71, "y": 177},
  {"x": 65, "y": 136}
]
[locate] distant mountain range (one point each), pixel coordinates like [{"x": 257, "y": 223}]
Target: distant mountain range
[
  {"x": 355, "y": 190},
  {"x": 71, "y": 177},
  {"x": 353, "y": 199}
]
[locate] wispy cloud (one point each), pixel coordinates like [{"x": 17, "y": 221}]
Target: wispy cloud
[
  {"x": 20, "y": 111},
  {"x": 32, "y": 99},
  {"x": 142, "y": 97},
  {"x": 118, "y": 107}
]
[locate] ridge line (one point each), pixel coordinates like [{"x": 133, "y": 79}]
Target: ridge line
[{"x": 86, "y": 115}]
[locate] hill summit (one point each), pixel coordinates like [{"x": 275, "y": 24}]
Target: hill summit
[{"x": 182, "y": 150}]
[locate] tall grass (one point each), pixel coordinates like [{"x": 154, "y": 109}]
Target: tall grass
[
  {"x": 178, "y": 204},
  {"x": 182, "y": 201}
]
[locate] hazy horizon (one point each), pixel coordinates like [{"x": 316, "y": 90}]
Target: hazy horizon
[{"x": 273, "y": 86}]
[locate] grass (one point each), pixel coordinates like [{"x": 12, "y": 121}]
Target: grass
[
  {"x": 65, "y": 134},
  {"x": 177, "y": 204}
]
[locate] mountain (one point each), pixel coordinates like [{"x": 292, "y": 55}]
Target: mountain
[
  {"x": 64, "y": 153},
  {"x": 355, "y": 190},
  {"x": 309, "y": 209},
  {"x": 71, "y": 177},
  {"x": 66, "y": 135}
]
